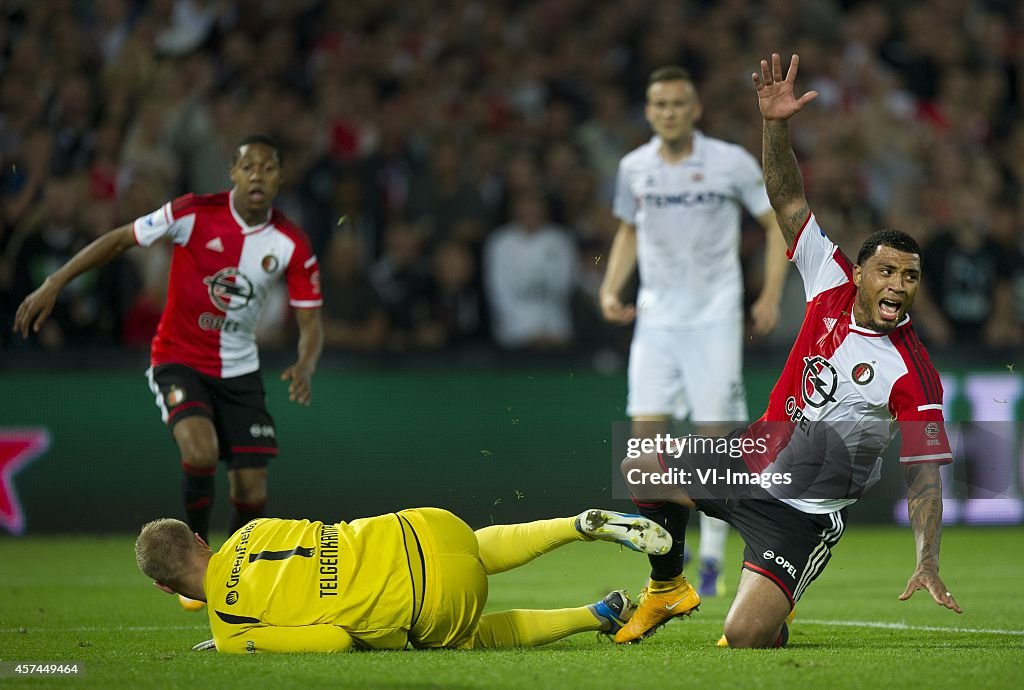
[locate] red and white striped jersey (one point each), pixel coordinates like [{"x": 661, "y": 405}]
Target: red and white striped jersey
[
  {"x": 860, "y": 382},
  {"x": 222, "y": 270}
]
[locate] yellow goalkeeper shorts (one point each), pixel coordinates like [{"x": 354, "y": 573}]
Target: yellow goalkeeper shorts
[{"x": 455, "y": 582}]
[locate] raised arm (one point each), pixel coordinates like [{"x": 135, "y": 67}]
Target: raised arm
[
  {"x": 35, "y": 308},
  {"x": 782, "y": 179},
  {"x": 924, "y": 504}
]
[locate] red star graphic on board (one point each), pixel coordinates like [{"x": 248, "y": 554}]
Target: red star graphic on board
[{"x": 18, "y": 447}]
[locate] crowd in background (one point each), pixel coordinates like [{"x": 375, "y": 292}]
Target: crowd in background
[{"x": 453, "y": 161}]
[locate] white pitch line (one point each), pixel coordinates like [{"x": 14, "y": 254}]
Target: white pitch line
[
  {"x": 799, "y": 621},
  {"x": 904, "y": 626},
  {"x": 127, "y": 628}
]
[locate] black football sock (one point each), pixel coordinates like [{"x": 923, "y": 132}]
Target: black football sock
[
  {"x": 673, "y": 517},
  {"x": 241, "y": 513},
  {"x": 197, "y": 487}
]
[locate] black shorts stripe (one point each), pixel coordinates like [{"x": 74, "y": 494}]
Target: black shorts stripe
[
  {"x": 822, "y": 554},
  {"x": 832, "y": 534},
  {"x": 819, "y": 559},
  {"x": 786, "y": 545}
]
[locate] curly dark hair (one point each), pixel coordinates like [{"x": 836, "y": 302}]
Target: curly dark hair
[{"x": 897, "y": 239}]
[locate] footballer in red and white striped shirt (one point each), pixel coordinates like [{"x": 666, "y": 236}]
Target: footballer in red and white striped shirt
[
  {"x": 229, "y": 251},
  {"x": 856, "y": 365}
]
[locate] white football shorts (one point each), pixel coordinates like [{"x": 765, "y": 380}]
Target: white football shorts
[{"x": 694, "y": 373}]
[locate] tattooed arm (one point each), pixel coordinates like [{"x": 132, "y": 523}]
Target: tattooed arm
[
  {"x": 782, "y": 179},
  {"x": 924, "y": 504}
]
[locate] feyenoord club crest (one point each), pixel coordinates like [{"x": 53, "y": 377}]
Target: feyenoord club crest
[
  {"x": 269, "y": 263},
  {"x": 863, "y": 373},
  {"x": 175, "y": 396}
]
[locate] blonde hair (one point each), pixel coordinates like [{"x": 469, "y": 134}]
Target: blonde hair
[{"x": 164, "y": 551}]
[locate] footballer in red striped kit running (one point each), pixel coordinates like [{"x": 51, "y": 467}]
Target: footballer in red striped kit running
[{"x": 229, "y": 251}]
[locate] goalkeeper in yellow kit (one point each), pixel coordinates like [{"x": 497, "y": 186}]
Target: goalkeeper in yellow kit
[{"x": 414, "y": 578}]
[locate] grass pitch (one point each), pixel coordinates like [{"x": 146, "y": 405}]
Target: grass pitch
[{"x": 80, "y": 599}]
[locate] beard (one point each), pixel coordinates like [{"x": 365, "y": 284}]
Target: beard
[{"x": 873, "y": 321}]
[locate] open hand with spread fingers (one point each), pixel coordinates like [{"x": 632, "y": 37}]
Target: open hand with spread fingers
[
  {"x": 929, "y": 581},
  {"x": 775, "y": 95}
]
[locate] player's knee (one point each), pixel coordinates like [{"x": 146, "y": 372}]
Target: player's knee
[
  {"x": 644, "y": 463},
  {"x": 249, "y": 494},
  {"x": 248, "y": 487},
  {"x": 627, "y": 466},
  {"x": 747, "y": 635},
  {"x": 201, "y": 457},
  {"x": 199, "y": 451}
]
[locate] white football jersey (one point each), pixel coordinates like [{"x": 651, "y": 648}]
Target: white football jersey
[{"x": 687, "y": 217}]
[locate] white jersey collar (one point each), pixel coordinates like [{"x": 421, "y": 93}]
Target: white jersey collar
[
  {"x": 875, "y": 334},
  {"x": 696, "y": 156}
]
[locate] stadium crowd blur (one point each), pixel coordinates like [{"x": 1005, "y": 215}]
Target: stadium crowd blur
[{"x": 453, "y": 161}]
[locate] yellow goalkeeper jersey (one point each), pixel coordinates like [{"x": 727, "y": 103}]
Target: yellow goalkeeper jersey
[{"x": 296, "y": 585}]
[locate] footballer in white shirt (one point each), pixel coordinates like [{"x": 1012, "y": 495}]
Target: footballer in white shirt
[{"x": 679, "y": 200}]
